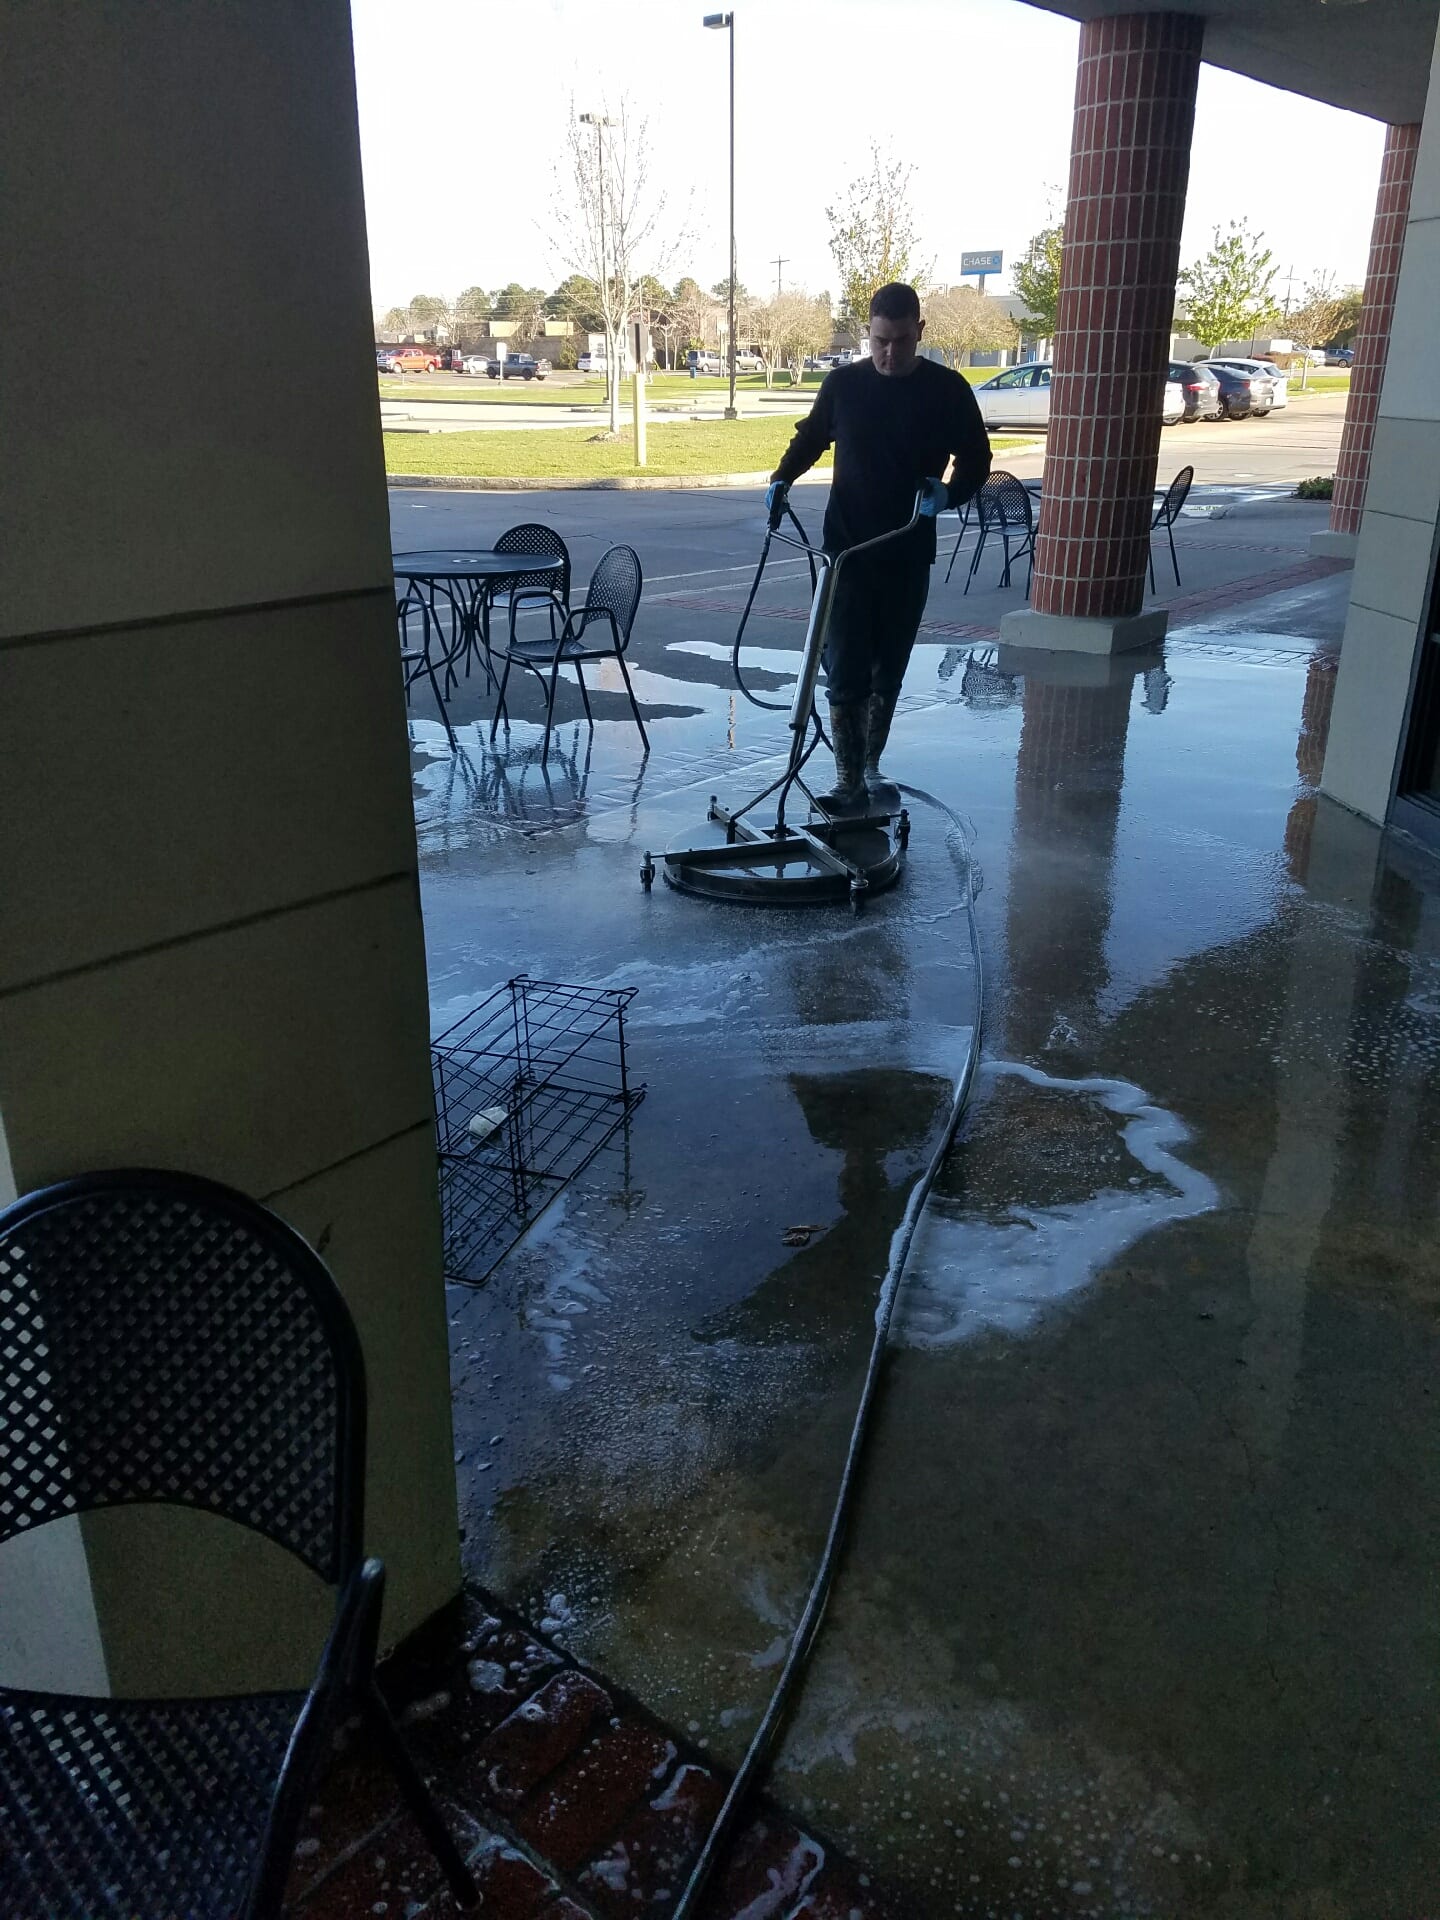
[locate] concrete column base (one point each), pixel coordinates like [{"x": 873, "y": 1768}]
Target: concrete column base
[
  {"x": 1330, "y": 545},
  {"x": 1062, "y": 633}
]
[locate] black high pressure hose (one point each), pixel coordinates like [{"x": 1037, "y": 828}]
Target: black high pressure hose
[
  {"x": 807, "y": 1632},
  {"x": 770, "y": 706}
]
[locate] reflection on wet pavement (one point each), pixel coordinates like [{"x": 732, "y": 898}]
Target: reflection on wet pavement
[{"x": 1138, "y": 1614}]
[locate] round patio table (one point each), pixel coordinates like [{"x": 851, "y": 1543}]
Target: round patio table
[{"x": 465, "y": 577}]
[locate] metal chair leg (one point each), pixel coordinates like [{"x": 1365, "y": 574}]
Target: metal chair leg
[
  {"x": 634, "y": 708},
  {"x": 975, "y": 557},
  {"x": 418, "y": 1798},
  {"x": 500, "y": 712},
  {"x": 954, "y": 551},
  {"x": 584, "y": 694},
  {"x": 550, "y": 712},
  {"x": 1170, "y": 529},
  {"x": 1150, "y": 550},
  {"x": 1005, "y": 543},
  {"x": 440, "y": 703}
]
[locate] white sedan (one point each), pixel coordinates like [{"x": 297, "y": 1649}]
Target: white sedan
[
  {"x": 1263, "y": 369},
  {"x": 1019, "y": 397}
]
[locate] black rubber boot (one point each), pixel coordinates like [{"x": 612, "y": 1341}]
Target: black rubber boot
[
  {"x": 847, "y": 739},
  {"x": 878, "y": 714}
]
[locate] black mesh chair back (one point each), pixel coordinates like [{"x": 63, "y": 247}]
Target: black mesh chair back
[
  {"x": 614, "y": 589},
  {"x": 1175, "y": 495},
  {"x": 164, "y": 1340},
  {"x": 1005, "y": 502},
  {"x": 533, "y": 537},
  {"x": 1166, "y": 514},
  {"x": 1006, "y": 510}
]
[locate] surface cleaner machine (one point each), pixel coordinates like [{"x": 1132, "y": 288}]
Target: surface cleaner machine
[{"x": 830, "y": 856}]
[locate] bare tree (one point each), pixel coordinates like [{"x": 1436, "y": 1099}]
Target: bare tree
[
  {"x": 762, "y": 324},
  {"x": 1321, "y": 315},
  {"x": 427, "y": 313},
  {"x": 960, "y": 320},
  {"x": 807, "y": 325},
  {"x": 696, "y": 313},
  {"x": 471, "y": 311},
  {"x": 606, "y": 220}
]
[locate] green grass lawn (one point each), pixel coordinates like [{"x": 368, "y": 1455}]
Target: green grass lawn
[
  {"x": 590, "y": 390},
  {"x": 1332, "y": 382},
  {"x": 571, "y": 453}
]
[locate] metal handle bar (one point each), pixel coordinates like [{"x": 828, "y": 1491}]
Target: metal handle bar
[{"x": 804, "y": 699}]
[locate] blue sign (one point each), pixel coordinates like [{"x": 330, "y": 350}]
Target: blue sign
[{"x": 981, "y": 262}]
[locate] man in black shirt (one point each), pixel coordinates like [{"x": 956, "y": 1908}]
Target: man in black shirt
[{"x": 897, "y": 423}]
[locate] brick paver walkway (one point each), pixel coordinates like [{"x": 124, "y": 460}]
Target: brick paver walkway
[{"x": 571, "y": 1801}]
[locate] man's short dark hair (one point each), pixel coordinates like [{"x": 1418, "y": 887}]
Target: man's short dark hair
[{"x": 895, "y": 301}]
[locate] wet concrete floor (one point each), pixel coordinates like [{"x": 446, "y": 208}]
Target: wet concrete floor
[{"x": 1139, "y": 1613}]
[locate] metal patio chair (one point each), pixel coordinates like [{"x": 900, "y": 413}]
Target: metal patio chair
[
  {"x": 535, "y": 590},
  {"x": 611, "y": 602},
  {"x": 1166, "y": 514},
  {"x": 1006, "y": 509},
  {"x": 417, "y": 660},
  {"x": 164, "y": 1340}
]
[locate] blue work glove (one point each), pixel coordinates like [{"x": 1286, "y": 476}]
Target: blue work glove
[
  {"x": 934, "y": 498},
  {"x": 776, "y": 496}
]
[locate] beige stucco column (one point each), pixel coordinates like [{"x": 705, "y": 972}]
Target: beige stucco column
[
  {"x": 212, "y": 954},
  {"x": 1395, "y": 554}
]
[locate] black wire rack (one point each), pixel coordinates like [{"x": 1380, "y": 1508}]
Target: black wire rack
[{"x": 529, "y": 1086}]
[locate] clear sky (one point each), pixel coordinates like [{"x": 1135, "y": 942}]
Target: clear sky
[{"x": 463, "y": 110}]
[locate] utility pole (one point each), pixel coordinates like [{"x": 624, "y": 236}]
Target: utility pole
[{"x": 781, "y": 260}]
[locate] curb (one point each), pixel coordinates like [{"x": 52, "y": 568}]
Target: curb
[{"x": 613, "y": 483}]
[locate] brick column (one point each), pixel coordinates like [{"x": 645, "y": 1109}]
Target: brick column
[
  {"x": 1129, "y": 167},
  {"x": 1372, "y": 342}
]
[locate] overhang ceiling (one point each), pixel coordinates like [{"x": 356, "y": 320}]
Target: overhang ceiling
[{"x": 1371, "y": 56}]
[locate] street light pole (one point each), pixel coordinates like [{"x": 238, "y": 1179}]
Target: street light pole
[
  {"x": 600, "y": 122},
  {"x": 727, "y": 20}
]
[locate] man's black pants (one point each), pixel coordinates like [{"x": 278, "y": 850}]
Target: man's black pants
[{"x": 873, "y": 622}]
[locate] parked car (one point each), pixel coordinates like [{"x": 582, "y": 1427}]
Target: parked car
[
  {"x": 518, "y": 366},
  {"x": 416, "y": 360},
  {"x": 1267, "y": 370},
  {"x": 1339, "y": 356},
  {"x": 747, "y": 362},
  {"x": 1242, "y": 393},
  {"x": 1019, "y": 397},
  {"x": 1173, "y": 411},
  {"x": 384, "y": 361},
  {"x": 475, "y": 363},
  {"x": 1201, "y": 391}
]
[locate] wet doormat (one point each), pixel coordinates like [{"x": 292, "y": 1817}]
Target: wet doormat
[{"x": 529, "y": 1086}]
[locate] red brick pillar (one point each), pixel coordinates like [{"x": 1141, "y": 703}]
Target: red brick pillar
[
  {"x": 1372, "y": 343},
  {"x": 1129, "y": 167}
]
